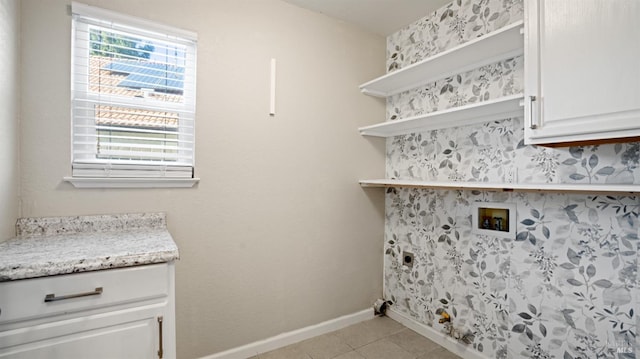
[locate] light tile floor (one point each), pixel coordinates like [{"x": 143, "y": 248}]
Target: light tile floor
[{"x": 378, "y": 338}]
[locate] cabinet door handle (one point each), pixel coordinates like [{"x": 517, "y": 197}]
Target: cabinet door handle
[
  {"x": 160, "y": 351},
  {"x": 52, "y": 297},
  {"x": 532, "y": 125}
]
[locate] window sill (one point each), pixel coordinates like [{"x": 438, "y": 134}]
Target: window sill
[{"x": 106, "y": 182}]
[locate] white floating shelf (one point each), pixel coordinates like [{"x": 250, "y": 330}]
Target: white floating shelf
[
  {"x": 498, "y": 45},
  {"x": 479, "y": 112},
  {"x": 624, "y": 189}
]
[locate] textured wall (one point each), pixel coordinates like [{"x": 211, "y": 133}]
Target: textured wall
[
  {"x": 9, "y": 117},
  {"x": 566, "y": 285},
  {"x": 278, "y": 235}
]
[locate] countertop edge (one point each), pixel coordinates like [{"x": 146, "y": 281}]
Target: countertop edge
[
  {"x": 51, "y": 246},
  {"x": 72, "y": 267}
]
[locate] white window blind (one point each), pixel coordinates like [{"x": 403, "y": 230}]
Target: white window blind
[{"x": 133, "y": 96}]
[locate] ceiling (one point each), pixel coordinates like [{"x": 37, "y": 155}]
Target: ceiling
[{"x": 382, "y": 17}]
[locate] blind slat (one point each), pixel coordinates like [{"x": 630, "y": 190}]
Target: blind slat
[
  {"x": 105, "y": 163},
  {"x": 148, "y": 139},
  {"x": 117, "y": 102},
  {"x": 115, "y": 128},
  {"x": 137, "y": 146}
]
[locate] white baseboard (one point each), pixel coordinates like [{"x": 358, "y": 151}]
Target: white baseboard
[
  {"x": 284, "y": 339},
  {"x": 448, "y": 343}
]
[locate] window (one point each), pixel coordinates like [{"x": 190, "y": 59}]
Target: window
[{"x": 133, "y": 97}]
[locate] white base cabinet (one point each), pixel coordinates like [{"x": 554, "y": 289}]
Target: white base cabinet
[
  {"x": 582, "y": 79},
  {"x": 120, "y": 313}
]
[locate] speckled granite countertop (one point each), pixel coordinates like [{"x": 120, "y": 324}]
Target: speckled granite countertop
[{"x": 61, "y": 245}]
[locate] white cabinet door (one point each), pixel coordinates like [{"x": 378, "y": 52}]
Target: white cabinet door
[
  {"x": 65, "y": 317},
  {"x": 582, "y": 70},
  {"x": 132, "y": 333}
]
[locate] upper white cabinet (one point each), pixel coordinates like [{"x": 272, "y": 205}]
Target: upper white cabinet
[{"x": 582, "y": 70}]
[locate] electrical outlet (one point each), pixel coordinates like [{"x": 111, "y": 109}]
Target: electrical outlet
[{"x": 511, "y": 175}]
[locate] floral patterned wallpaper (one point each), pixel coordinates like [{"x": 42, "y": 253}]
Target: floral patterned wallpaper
[
  {"x": 566, "y": 285},
  {"x": 450, "y": 26}
]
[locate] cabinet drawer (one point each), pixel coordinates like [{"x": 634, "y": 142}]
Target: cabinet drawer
[{"x": 25, "y": 299}]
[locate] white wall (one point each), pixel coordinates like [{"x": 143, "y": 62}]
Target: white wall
[
  {"x": 278, "y": 235},
  {"x": 9, "y": 117}
]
